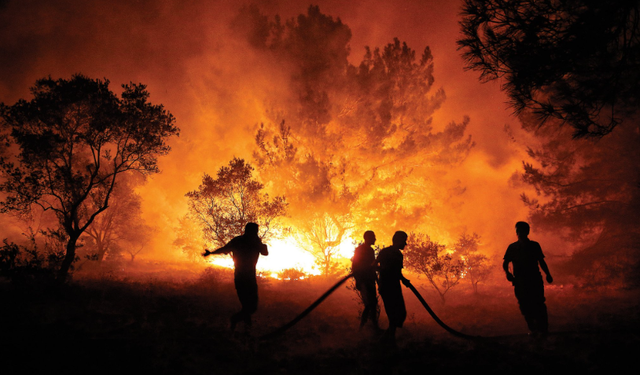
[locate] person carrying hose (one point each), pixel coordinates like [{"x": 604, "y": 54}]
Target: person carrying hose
[
  {"x": 390, "y": 261},
  {"x": 364, "y": 271}
]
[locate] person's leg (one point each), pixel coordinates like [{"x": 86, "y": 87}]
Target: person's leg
[
  {"x": 523, "y": 296},
  {"x": 372, "y": 300},
  {"x": 370, "y": 303},
  {"x": 248, "y": 296}
]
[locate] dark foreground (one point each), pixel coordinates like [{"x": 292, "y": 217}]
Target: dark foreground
[{"x": 168, "y": 326}]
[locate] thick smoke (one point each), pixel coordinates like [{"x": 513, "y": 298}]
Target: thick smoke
[{"x": 197, "y": 61}]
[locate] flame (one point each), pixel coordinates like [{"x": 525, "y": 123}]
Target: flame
[{"x": 286, "y": 254}]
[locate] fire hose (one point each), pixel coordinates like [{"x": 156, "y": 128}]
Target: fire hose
[
  {"x": 285, "y": 327},
  {"x": 315, "y": 304},
  {"x": 435, "y": 317}
]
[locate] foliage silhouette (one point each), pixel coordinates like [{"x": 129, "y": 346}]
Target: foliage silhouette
[
  {"x": 443, "y": 270},
  {"x": 71, "y": 142},
  {"x": 576, "y": 61},
  {"x": 223, "y": 206},
  {"x": 588, "y": 193}
]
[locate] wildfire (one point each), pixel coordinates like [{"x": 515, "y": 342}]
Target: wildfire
[{"x": 287, "y": 254}]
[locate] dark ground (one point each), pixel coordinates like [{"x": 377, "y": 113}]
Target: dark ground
[{"x": 179, "y": 325}]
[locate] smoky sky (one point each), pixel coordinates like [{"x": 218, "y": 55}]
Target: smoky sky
[{"x": 215, "y": 85}]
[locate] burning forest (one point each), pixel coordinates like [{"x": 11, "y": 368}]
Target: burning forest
[{"x": 280, "y": 187}]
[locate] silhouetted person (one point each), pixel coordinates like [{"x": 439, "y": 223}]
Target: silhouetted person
[
  {"x": 527, "y": 280},
  {"x": 390, "y": 262},
  {"x": 363, "y": 265},
  {"x": 245, "y": 250}
]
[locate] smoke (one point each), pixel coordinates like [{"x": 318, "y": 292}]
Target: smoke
[{"x": 198, "y": 61}]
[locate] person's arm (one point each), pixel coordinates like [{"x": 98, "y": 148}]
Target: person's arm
[
  {"x": 505, "y": 267},
  {"x": 545, "y": 268},
  {"x": 543, "y": 265},
  {"x": 264, "y": 250},
  {"x": 226, "y": 249},
  {"x": 404, "y": 280}
]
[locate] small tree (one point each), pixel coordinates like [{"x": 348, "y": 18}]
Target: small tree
[
  {"x": 120, "y": 223},
  {"x": 224, "y": 205},
  {"x": 321, "y": 236},
  {"x": 443, "y": 270},
  {"x": 189, "y": 238},
  {"x": 72, "y": 141},
  {"x": 475, "y": 265}
]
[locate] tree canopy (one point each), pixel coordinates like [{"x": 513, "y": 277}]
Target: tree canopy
[
  {"x": 224, "y": 205},
  {"x": 577, "y": 61},
  {"x": 69, "y": 144},
  {"x": 589, "y": 193},
  {"x": 353, "y": 143},
  {"x": 443, "y": 269}
]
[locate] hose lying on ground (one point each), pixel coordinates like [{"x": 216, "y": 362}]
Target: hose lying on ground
[
  {"x": 285, "y": 327},
  {"x": 435, "y": 317}
]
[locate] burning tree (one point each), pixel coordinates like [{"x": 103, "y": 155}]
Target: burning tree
[
  {"x": 71, "y": 142},
  {"x": 475, "y": 264},
  {"x": 224, "y": 205},
  {"x": 573, "y": 61},
  {"x": 358, "y": 142},
  {"x": 443, "y": 269},
  {"x": 321, "y": 236}
]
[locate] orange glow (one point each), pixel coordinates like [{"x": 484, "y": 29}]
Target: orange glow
[
  {"x": 287, "y": 254},
  {"x": 284, "y": 254},
  {"x": 220, "y": 89}
]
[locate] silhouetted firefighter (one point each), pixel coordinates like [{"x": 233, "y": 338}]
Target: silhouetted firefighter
[
  {"x": 390, "y": 261},
  {"x": 527, "y": 280},
  {"x": 363, "y": 265},
  {"x": 245, "y": 250}
]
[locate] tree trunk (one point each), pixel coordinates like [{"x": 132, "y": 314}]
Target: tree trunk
[
  {"x": 442, "y": 298},
  {"x": 69, "y": 258},
  {"x": 101, "y": 250}
]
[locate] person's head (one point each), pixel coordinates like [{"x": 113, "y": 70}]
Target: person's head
[
  {"x": 251, "y": 229},
  {"x": 400, "y": 239},
  {"x": 522, "y": 229},
  {"x": 369, "y": 237}
]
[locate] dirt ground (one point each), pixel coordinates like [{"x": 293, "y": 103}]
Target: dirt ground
[{"x": 179, "y": 324}]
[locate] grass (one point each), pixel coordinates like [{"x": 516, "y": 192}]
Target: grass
[{"x": 176, "y": 322}]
